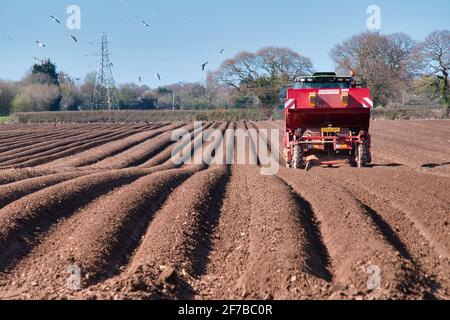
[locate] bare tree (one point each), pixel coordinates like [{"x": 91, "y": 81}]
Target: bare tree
[
  {"x": 269, "y": 62},
  {"x": 381, "y": 62},
  {"x": 211, "y": 88},
  {"x": 434, "y": 57},
  {"x": 87, "y": 90},
  {"x": 401, "y": 48},
  {"x": 235, "y": 71},
  {"x": 282, "y": 63},
  {"x": 261, "y": 75}
]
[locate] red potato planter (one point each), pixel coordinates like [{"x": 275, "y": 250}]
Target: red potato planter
[{"x": 327, "y": 122}]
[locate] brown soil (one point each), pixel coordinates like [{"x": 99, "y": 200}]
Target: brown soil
[{"x": 108, "y": 199}]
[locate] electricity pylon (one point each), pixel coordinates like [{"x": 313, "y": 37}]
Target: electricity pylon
[{"x": 104, "y": 91}]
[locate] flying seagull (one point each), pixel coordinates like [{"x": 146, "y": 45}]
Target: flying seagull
[
  {"x": 140, "y": 79},
  {"x": 40, "y": 44},
  {"x": 221, "y": 51},
  {"x": 54, "y": 19},
  {"x": 38, "y": 60},
  {"x": 204, "y": 66},
  {"x": 78, "y": 79},
  {"x": 146, "y": 24},
  {"x": 73, "y": 37},
  {"x": 158, "y": 76}
]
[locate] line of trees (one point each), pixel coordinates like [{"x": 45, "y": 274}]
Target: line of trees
[
  {"x": 42, "y": 89},
  {"x": 397, "y": 68}
]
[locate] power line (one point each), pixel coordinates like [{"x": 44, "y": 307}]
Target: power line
[
  {"x": 115, "y": 57},
  {"x": 145, "y": 45},
  {"x": 170, "y": 35}
]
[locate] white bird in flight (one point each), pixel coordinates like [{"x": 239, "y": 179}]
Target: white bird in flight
[
  {"x": 40, "y": 44},
  {"x": 54, "y": 19},
  {"x": 158, "y": 76},
  {"x": 146, "y": 24},
  {"x": 204, "y": 66},
  {"x": 73, "y": 37}
]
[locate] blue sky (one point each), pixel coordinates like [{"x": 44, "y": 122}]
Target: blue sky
[{"x": 184, "y": 34}]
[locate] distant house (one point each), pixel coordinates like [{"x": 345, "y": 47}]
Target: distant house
[
  {"x": 148, "y": 103},
  {"x": 143, "y": 103}
]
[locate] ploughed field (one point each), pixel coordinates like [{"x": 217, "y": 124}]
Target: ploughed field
[{"x": 106, "y": 202}]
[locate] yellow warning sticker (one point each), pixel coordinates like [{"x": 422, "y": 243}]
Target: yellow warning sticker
[{"x": 330, "y": 130}]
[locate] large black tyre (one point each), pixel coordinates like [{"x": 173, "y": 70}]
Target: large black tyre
[
  {"x": 297, "y": 157},
  {"x": 364, "y": 157}
]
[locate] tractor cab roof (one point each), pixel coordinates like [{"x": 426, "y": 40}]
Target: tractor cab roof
[{"x": 323, "y": 77}]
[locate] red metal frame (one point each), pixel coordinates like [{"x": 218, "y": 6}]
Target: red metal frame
[
  {"x": 329, "y": 108},
  {"x": 320, "y": 108}
]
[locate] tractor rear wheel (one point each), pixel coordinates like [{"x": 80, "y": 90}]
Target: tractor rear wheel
[
  {"x": 364, "y": 157},
  {"x": 297, "y": 157}
]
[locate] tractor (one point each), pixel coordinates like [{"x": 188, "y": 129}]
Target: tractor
[{"x": 327, "y": 122}]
